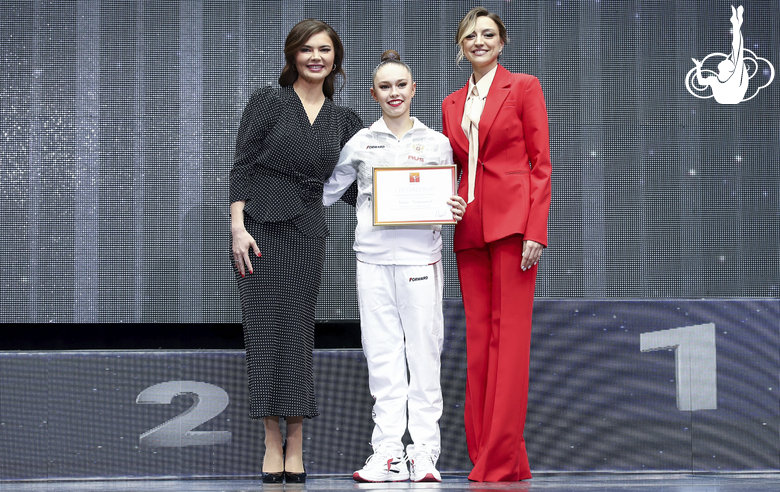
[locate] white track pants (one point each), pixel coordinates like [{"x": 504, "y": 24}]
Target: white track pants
[{"x": 401, "y": 323}]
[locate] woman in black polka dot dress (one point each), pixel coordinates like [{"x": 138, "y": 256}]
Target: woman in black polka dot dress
[{"x": 287, "y": 145}]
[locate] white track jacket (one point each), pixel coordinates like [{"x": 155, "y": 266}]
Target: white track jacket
[{"x": 378, "y": 147}]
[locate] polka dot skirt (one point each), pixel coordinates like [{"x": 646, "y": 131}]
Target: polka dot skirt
[{"x": 278, "y": 304}]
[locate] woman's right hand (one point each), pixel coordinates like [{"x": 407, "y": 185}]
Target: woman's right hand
[{"x": 242, "y": 243}]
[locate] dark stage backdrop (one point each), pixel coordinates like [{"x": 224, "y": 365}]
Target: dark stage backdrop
[{"x": 119, "y": 119}]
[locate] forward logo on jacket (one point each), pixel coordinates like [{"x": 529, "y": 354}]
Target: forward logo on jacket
[{"x": 417, "y": 279}]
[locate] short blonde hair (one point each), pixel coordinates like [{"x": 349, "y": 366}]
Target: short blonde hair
[{"x": 467, "y": 25}]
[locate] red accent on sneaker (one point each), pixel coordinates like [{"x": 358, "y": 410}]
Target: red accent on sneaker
[{"x": 429, "y": 478}]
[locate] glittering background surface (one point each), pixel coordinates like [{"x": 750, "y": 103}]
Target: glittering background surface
[
  {"x": 119, "y": 119},
  {"x": 117, "y": 126}
]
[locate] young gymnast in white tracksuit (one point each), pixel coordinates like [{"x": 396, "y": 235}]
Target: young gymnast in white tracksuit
[{"x": 399, "y": 284}]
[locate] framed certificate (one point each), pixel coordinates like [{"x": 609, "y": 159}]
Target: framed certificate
[{"x": 413, "y": 195}]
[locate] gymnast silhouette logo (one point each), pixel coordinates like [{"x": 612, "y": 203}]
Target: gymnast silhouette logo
[{"x": 731, "y": 83}]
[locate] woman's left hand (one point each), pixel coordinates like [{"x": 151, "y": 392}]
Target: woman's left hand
[
  {"x": 457, "y": 206},
  {"x": 532, "y": 252}
]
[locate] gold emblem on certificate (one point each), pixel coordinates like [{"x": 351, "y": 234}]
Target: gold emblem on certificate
[{"x": 413, "y": 195}]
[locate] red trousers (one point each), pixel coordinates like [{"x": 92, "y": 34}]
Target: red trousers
[{"x": 498, "y": 299}]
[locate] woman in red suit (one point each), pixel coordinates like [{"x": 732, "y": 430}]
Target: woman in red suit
[{"x": 497, "y": 126}]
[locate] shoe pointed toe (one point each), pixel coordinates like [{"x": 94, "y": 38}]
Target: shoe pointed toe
[
  {"x": 277, "y": 477},
  {"x": 290, "y": 477}
]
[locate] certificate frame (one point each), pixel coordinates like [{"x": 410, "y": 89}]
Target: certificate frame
[{"x": 409, "y": 195}]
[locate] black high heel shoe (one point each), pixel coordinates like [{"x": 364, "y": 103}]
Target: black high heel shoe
[
  {"x": 277, "y": 477},
  {"x": 291, "y": 477}
]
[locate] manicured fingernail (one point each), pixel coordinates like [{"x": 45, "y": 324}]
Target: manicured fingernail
[{"x": 259, "y": 254}]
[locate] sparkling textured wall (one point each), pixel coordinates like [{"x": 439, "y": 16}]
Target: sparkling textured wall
[{"x": 118, "y": 121}]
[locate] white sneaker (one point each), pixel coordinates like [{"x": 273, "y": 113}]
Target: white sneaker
[
  {"x": 383, "y": 467},
  {"x": 423, "y": 465}
]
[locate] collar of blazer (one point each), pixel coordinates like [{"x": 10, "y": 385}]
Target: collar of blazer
[{"x": 498, "y": 93}]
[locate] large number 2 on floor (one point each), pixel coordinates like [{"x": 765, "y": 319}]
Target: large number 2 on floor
[{"x": 210, "y": 401}]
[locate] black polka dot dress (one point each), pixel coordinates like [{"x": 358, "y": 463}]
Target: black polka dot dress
[{"x": 281, "y": 163}]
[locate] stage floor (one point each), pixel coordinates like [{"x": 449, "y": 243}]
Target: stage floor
[{"x": 541, "y": 482}]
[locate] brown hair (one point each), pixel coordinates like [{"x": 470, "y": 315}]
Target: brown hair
[
  {"x": 390, "y": 56},
  {"x": 468, "y": 23},
  {"x": 299, "y": 34}
]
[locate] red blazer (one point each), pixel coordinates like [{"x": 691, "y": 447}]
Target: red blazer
[{"x": 513, "y": 194}]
